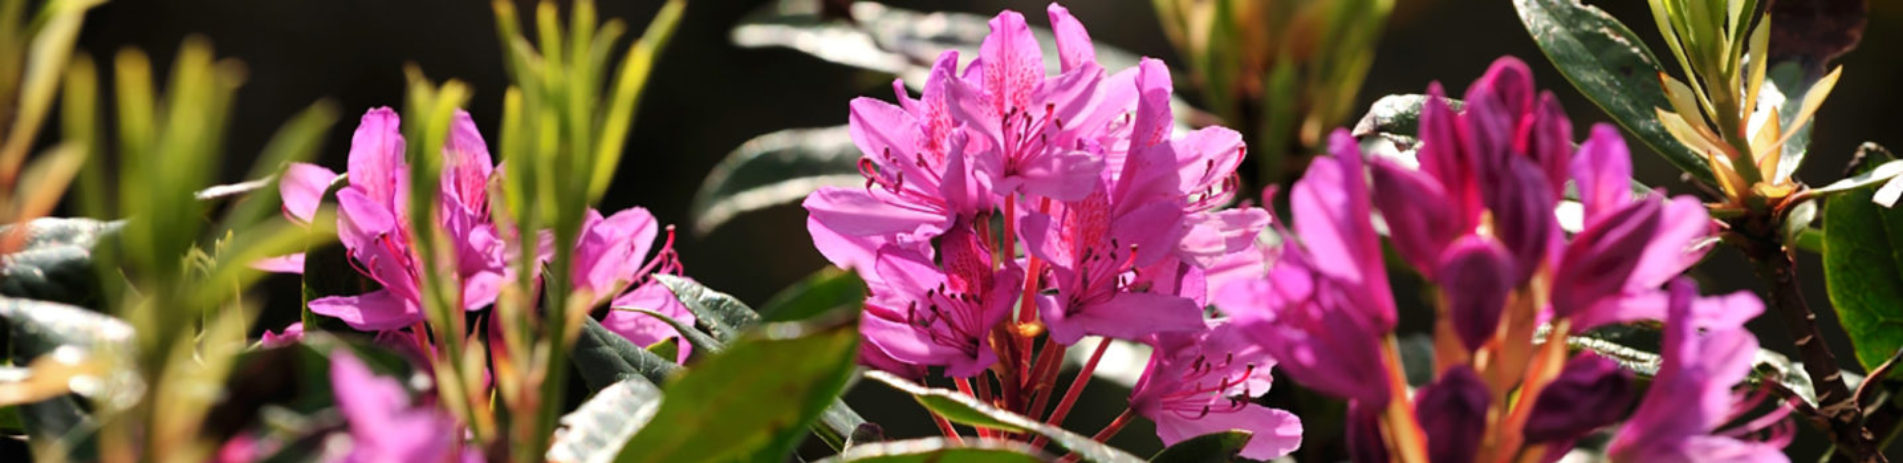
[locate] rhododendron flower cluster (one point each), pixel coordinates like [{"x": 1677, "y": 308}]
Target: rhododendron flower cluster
[
  {"x": 1008, "y": 213},
  {"x": 1476, "y": 220}
]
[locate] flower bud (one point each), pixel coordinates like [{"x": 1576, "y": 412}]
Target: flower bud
[
  {"x": 1453, "y": 414},
  {"x": 1590, "y": 393},
  {"x": 1476, "y": 274}
]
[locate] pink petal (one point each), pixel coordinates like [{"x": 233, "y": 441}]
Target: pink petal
[
  {"x": 1013, "y": 62},
  {"x": 373, "y": 311},
  {"x": 1682, "y": 238},
  {"x": 302, "y": 188},
  {"x": 1549, "y": 141},
  {"x": 289, "y": 263},
  {"x": 1073, "y": 42},
  {"x": 856, "y": 213},
  {"x": 376, "y": 154},
  {"x": 1476, "y": 277},
  {"x": 1126, "y": 316},
  {"x": 1603, "y": 172},
  {"x": 1212, "y": 236},
  {"x": 1601, "y": 258},
  {"x": 847, "y": 252},
  {"x": 1276, "y": 432},
  {"x": 1062, "y": 176}
]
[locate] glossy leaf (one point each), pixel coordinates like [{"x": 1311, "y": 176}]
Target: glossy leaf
[
  {"x": 940, "y": 450},
  {"x": 703, "y": 343},
  {"x": 963, "y": 409},
  {"x": 890, "y": 40},
  {"x": 827, "y": 289},
  {"x": 595, "y": 431},
  {"x": 1611, "y": 66},
  {"x": 56, "y": 262},
  {"x": 605, "y": 358},
  {"x": 752, "y": 402},
  {"x": 1398, "y": 114},
  {"x": 773, "y": 169},
  {"x": 1864, "y": 273},
  {"x": 1209, "y": 448},
  {"x": 720, "y": 314},
  {"x": 38, "y": 327}
]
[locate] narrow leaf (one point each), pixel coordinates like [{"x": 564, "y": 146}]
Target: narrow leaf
[
  {"x": 964, "y": 409},
  {"x": 1208, "y": 448},
  {"x": 940, "y": 450},
  {"x": 773, "y": 169}
]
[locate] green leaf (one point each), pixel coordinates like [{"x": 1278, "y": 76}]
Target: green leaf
[
  {"x": 1862, "y": 271},
  {"x": 719, "y": 314},
  {"x": 827, "y": 289},
  {"x": 964, "y": 409},
  {"x": 752, "y": 402},
  {"x": 596, "y": 431},
  {"x": 773, "y": 169},
  {"x": 56, "y": 263},
  {"x": 1612, "y": 67},
  {"x": 1213, "y": 447},
  {"x": 667, "y": 348},
  {"x": 605, "y": 358},
  {"x": 703, "y": 344},
  {"x": 940, "y": 450},
  {"x": 1398, "y": 114},
  {"x": 890, "y": 40},
  {"x": 38, "y": 327}
]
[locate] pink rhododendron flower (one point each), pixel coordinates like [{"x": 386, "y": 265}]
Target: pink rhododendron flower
[
  {"x": 1109, "y": 219},
  {"x": 1204, "y": 382},
  {"x": 1679, "y": 418},
  {"x": 373, "y": 224}
]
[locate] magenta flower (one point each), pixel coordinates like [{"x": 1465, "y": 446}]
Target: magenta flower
[
  {"x": 1128, "y": 258},
  {"x": 1030, "y": 130},
  {"x": 919, "y": 181},
  {"x": 920, "y": 314},
  {"x": 291, "y": 334},
  {"x": 1325, "y": 306},
  {"x": 384, "y": 426},
  {"x": 373, "y": 222},
  {"x": 1204, "y": 382},
  {"x": 1679, "y": 418},
  {"x": 611, "y": 265}
]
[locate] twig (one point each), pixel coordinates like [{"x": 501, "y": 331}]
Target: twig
[{"x": 1834, "y": 400}]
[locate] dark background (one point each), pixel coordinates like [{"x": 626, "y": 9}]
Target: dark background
[{"x": 708, "y": 96}]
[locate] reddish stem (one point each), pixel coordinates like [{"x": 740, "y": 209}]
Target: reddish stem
[
  {"x": 1076, "y": 389},
  {"x": 1049, "y": 361},
  {"x": 964, "y": 385},
  {"x": 1109, "y": 430},
  {"x": 945, "y": 427}
]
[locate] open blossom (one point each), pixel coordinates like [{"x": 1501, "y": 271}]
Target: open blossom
[
  {"x": 1204, "y": 382},
  {"x": 920, "y": 314},
  {"x": 1116, "y": 216},
  {"x": 374, "y": 226},
  {"x": 1322, "y": 307},
  {"x": 1680, "y": 417}
]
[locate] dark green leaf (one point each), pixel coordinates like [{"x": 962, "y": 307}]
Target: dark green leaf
[
  {"x": 829, "y": 288},
  {"x": 703, "y": 344},
  {"x": 1211, "y": 448},
  {"x": 1611, "y": 66},
  {"x": 752, "y": 402},
  {"x": 596, "y": 431},
  {"x": 773, "y": 169},
  {"x": 56, "y": 263},
  {"x": 890, "y": 40},
  {"x": 1862, "y": 270},
  {"x": 719, "y": 314},
  {"x": 605, "y": 358},
  {"x": 940, "y": 450},
  {"x": 964, "y": 409},
  {"x": 10, "y": 420},
  {"x": 37, "y": 327},
  {"x": 1397, "y": 114}
]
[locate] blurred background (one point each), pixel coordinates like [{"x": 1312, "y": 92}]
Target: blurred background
[{"x": 708, "y": 96}]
